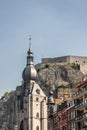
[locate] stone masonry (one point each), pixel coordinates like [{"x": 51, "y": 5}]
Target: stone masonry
[{"x": 80, "y": 60}]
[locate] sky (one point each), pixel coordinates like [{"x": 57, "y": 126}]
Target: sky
[{"x": 57, "y": 27}]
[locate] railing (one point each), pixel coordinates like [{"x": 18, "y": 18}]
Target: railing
[
  {"x": 81, "y": 103},
  {"x": 83, "y": 115},
  {"x": 83, "y": 129},
  {"x": 81, "y": 90}
]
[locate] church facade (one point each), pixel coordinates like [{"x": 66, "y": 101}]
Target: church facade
[{"x": 27, "y": 106}]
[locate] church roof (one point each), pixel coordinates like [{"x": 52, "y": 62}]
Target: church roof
[{"x": 29, "y": 73}]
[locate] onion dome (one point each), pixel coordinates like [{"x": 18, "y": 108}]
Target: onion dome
[{"x": 29, "y": 72}]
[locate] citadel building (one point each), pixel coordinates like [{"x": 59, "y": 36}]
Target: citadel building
[{"x": 81, "y": 61}]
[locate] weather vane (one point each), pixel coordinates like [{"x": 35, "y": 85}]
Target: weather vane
[{"x": 30, "y": 41}]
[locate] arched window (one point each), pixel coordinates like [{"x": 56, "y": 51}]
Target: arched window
[
  {"x": 37, "y": 99},
  {"x": 22, "y": 125},
  {"x": 37, "y": 128},
  {"x": 37, "y": 115}
]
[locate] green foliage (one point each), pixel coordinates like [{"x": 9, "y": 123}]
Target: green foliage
[
  {"x": 46, "y": 66},
  {"x": 64, "y": 86},
  {"x": 61, "y": 85},
  {"x": 75, "y": 66},
  {"x": 56, "y": 87},
  {"x": 5, "y": 95},
  {"x": 38, "y": 70}
]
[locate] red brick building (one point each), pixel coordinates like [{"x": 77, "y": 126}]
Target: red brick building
[
  {"x": 71, "y": 114},
  {"x": 55, "y": 120},
  {"x": 62, "y": 117},
  {"x": 59, "y": 117}
]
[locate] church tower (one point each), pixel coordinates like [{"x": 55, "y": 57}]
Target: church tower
[{"x": 33, "y": 100}]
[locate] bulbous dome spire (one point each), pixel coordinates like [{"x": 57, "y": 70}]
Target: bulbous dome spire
[{"x": 29, "y": 72}]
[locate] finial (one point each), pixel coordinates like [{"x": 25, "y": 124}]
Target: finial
[{"x": 30, "y": 41}]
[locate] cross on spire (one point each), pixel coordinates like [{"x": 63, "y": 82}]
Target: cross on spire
[{"x": 30, "y": 41}]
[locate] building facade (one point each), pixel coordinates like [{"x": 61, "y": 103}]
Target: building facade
[
  {"x": 26, "y": 108},
  {"x": 58, "y": 117},
  {"x": 33, "y": 107},
  {"x": 62, "y": 116},
  {"x": 71, "y": 114},
  {"x": 81, "y": 106}
]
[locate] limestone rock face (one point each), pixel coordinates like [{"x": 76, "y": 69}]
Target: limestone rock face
[
  {"x": 58, "y": 75},
  {"x": 6, "y": 113}
]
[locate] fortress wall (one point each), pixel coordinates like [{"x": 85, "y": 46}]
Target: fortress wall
[
  {"x": 81, "y": 61},
  {"x": 67, "y": 59},
  {"x": 78, "y": 59},
  {"x": 83, "y": 69},
  {"x": 56, "y": 59}
]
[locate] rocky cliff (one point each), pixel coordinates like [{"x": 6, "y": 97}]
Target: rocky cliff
[{"x": 59, "y": 75}]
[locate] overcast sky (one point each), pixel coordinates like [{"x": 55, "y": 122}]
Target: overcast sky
[{"x": 57, "y": 28}]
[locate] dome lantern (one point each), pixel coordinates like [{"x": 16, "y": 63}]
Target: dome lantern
[{"x": 29, "y": 73}]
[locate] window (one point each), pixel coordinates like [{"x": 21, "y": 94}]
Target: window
[
  {"x": 37, "y": 115},
  {"x": 22, "y": 125},
  {"x": 21, "y": 103},
  {"x": 37, "y": 128},
  {"x": 38, "y": 91},
  {"x": 37, "y": 99}
]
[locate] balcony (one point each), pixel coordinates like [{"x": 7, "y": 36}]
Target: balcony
[
  {"x": 81, "y": 117},
  {"x": 81, "y": 104},
  {"x": 83, "y": 129},
  {"x": 81, "y": 92}
]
